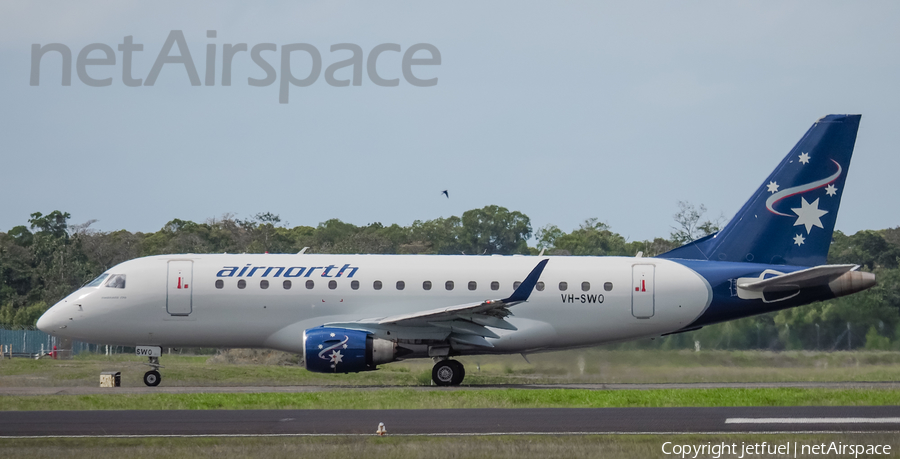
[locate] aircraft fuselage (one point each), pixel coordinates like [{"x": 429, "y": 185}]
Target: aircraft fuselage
[{"x": 580, "y": 301}]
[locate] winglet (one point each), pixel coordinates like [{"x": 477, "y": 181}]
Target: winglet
[{"x": 525, "y": 288}]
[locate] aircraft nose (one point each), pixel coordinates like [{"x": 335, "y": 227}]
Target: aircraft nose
[
  {"x": 49, "y": 321},
  {"x": 43, "y": 322}
]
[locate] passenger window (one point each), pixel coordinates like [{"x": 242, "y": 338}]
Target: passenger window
[
  {"x": 563, "y": 286},
  {"x": 516, "y": 284},
  {"x": 401, "y": 285},
  {"x": 310, "y": 284},
  {"x": 354, "y": 285},
  {"x": 585, "y": 286},
  {"x": 495, "y": 285},
  {"x": 607, "y": 286},
  {"x": 540, "y": 286},
  {"x": 242, "y": 283},
  {"x": 220, "y": 283},
  {"x": 473, "y": 285},
  {"x": 376, "y": 285},
  {"x": 448, "y": 285},
  {"x": 286, "y": 284},
  {"x": 96, "y": 282},
  {"x": 426, "y": 285},
  {"x": 263, "y": 284},
  {"x": 332, "y": 284},
  {"x": 116, "y": 281}
]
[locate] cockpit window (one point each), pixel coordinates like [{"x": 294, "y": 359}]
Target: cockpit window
[
  {"x": 99, "y": 280},
  {"x": 116, "y": 281}
]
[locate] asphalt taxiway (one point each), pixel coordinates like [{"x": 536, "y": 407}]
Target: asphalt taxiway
[{"x": 517, "y": 421}]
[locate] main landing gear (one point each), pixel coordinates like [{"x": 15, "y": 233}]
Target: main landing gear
[
  {"x": 448, "y": 373},
  {"x": 152, "y": 377}
]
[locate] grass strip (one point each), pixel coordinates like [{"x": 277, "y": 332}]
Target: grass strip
[{"x": 486, "y": 398}]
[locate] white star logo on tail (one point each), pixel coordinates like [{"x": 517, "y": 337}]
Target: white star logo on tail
[
  {"x": 831, "y": 190},
  {"x": 809, "y": 214},
  {"x": 773, "y": 187},
  {"x": 798, "y": 239},
  {"x": 804, "y": 158}
]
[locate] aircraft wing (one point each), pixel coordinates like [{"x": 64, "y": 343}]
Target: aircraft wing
[
  {"x": 462, "y": 323},
  {"x": 810, "y": 277}
]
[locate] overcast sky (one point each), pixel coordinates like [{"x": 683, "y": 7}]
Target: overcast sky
[{"x": 563, "y": 111}]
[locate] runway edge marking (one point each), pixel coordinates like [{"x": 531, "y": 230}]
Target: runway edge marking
[{"x": 812, "y": 421}]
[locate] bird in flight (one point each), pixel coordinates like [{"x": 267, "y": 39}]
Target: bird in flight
[{"x": 445, "y": 193}]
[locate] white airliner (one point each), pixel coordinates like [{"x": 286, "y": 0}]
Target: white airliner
[{"x": 350, "y": 313}]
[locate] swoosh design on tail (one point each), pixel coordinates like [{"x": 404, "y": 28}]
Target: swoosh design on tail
[{"x": 800, "y": 189}]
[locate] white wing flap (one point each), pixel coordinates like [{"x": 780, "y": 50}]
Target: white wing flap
[
  {"x": 470, "y": 318},
  {"x": 485, "y": 307}
]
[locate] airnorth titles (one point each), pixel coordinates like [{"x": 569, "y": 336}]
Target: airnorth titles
[{"x": 281, "y": 271}]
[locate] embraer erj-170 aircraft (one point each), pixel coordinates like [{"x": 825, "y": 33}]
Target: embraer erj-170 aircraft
[{"x": 350, "y": 313}]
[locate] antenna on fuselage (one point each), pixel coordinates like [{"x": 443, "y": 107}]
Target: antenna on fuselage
[{"x": 302, "y": 251}]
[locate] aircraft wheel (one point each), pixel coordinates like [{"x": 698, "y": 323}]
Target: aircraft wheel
[
  {"x": 447, "y": 373},
  {"x": 462, "y": 372},
  {"x": 152, "y": 378}
]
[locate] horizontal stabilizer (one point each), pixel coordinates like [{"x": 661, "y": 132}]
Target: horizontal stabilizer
[
  {"x": 772, "y": 286},
  {"x": 812, "y": 277}
]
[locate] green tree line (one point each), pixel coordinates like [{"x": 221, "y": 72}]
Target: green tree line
[{"x": 45, "y": 260}]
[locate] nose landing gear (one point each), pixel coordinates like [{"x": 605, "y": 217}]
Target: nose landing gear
[
  {"x": 448, "y": 373},
  {"x": 152, "y": 377}
]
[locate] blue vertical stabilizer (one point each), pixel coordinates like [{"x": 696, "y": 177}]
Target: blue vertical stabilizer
[{"x": 790, "y": 218}]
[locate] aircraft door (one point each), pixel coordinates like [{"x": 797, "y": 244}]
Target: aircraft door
[
  {"x": 642, "y": 294},
  {"x": 179, "y": 286}
]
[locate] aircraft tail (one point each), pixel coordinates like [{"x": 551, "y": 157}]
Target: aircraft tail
[{"x": 791, "y": 217}]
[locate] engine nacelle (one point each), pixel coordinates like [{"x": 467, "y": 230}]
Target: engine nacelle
[{"x": 339, "y": 350}]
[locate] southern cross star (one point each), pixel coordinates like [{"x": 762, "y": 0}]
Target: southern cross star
[
  {"x": 804, "y": 158},
  {"x": 809, "y": 214},
  {"x": 830, "y": 190},
  {"x": 336, "y": 357},
  {"x": 773, "y": 187},
  {"x": 798, "y": 239}
]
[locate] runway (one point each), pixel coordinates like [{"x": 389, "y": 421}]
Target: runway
[
  {"x": 530, "y": 421},
  {"x": 163, "y": 389}
]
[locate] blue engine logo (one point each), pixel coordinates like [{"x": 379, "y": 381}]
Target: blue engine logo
[{"x": 335, "y": 350}]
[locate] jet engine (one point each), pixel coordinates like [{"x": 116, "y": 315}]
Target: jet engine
[{"x": 339, "y": 350}]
